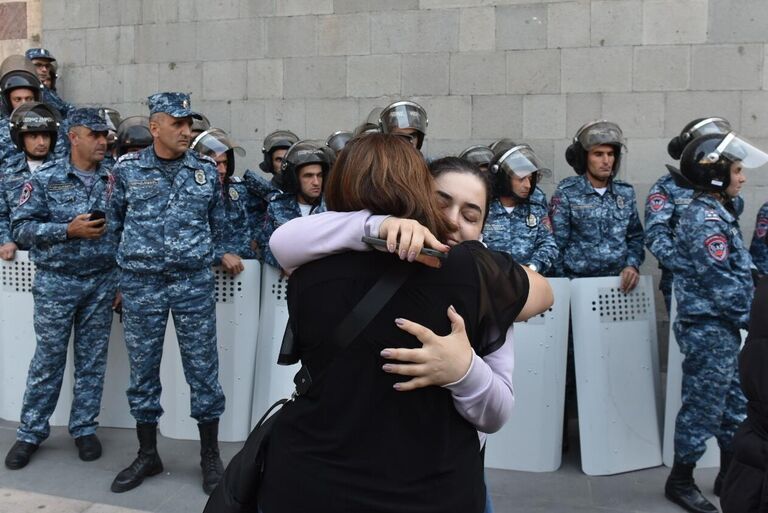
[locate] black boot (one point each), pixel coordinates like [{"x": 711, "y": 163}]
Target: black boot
[
  {"x": 725, "y": 461},
  {"x": 210, "y": 461},
  {"x": 146, "y": 464},
  {"x": 19, "y": 455},
  {"x": 682, "y": 490}
]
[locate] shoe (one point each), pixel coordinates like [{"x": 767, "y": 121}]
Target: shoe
[
  {"x": 88, "y": 447},
  {"x": 725, "y": 461},
  {"x": 146, "y": 464},
  {"x": 19, "y": 455},
  {"x": 682, "y": 490},
  {"x": 210, "y": 460}
]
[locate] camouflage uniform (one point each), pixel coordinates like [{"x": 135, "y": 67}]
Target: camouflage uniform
[
  {"x": 7, "y": 149},
  {"x": 665, "y": 204},
  {"x": 597, "y": 235},
  {"x": 281, "y": 209},
  {"x": 53, "y": 99},
  {"x": 261, "y": 192},
  {"x": 525, "y": 233},
  {"x": 172, "y": 216},
  {"x": 759, "y": 249},
  {"x": 75, "y": 282},
  {"x": 713, "y": 287},
  {"x": 11, "y": 181},
  {"x": 240, "y": 229}
]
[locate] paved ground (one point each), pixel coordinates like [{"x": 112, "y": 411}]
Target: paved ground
[{"x": 72, "y": 486}]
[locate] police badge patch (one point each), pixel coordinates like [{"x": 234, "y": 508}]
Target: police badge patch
[
  {"x": 717, "y": 247},
  {"x": 200, "y": 177},
  {"x": 26, "y": 193},
  {"x": 762, "y": 227},
  {"x": 620, "y": 202},
  {"x": 234, "y": 195},
  {"x": 656, "y": 201},
  {"x": 531, "y": 221}
]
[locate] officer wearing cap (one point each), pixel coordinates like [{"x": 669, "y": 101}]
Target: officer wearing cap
[
  {"x": 45, "y": 66},
  {"x": 518, "y": 222},
  {"x": 34, "y": 127},
  {"x": 168, "y": 205},
  {"x": 713, "y": 288},
  {"x": 594, "y": 215},
  {"x": 18, "y": 84},
  {"x": 304, "y": 168},
  {"x": 759, "y": 246},
  {"x": 666, "y": 202},
  {"x": 240, "y": 230},
  {"x": 261, "y": 191},
  {"x": 60, "y": 216}
]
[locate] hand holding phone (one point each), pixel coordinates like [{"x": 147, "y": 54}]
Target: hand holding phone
[{"x": 426, "y": 256}]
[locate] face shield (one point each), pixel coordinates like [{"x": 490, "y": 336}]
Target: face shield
[
  {"x": 600, "y": 132},
  {"x": 521, "y": 161},
  {"x": 736, "y": 149},
  {"x": 708, "y": 126},
  {"x": 214, "y": 142},
  {"x": 403, "y": 115},
  {"x": 477, "y": 155},
  {"x": 338, "y": 140}
]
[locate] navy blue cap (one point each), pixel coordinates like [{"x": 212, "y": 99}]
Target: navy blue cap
[
  {"x": 88, "y": 117},
  {"x": 173, "y": 104},
  {"x": 39, "y": 53}
]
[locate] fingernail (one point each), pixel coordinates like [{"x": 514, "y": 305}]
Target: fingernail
[
  {"x": 396, "y": 386},
  {"x": 402, "y": 255},
  {"x": 411, "y": 256},
  {"x": 386, "y": 353},
  {"x": 399, "y": 321},
  {"x": 452, "y": 309},
  {"x": 391, "y": 248},
  {"x": 386, "y": 367}
]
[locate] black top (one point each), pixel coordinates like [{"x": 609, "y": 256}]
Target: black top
[{"x": 353, "y": 443}]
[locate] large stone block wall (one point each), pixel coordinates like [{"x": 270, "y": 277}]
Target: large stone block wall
[{"x": 530, "y": 70}]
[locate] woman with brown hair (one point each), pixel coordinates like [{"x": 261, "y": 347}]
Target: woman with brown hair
[{"x": 353, "y": 443}]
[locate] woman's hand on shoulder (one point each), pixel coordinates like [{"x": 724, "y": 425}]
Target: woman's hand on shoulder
[
  {"x": 408, "y": 238},
  {"x": 440, "y": 361}
]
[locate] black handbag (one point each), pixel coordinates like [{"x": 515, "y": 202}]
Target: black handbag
[{"x": 238, "y": 490}]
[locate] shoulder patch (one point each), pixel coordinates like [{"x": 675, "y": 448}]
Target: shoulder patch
[
  {"x": 656, "y": 201},
  {"x": 717, "y": 247},
  {"x": 711, "y": 215},
  {"x": 762, "y": 227}
]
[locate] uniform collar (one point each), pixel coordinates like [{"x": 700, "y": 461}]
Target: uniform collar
[
  {"x": 149, "y": 159},
  {"x": 716, "y": 205},
  {"x": 589, "y": 188},
  {"x": 100, "y": 171}
]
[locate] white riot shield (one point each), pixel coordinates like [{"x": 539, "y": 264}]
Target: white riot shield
[
  {"x": 532, "y": 439},
  {"x": 17, "y": 341},
  {"x": 237, "y": 322},
  {"x": 115, "y": 411},
  {"x": 617, "y": 379},
  {"x": 273, "y": 381},
  {"x": 674, "y": 400}
]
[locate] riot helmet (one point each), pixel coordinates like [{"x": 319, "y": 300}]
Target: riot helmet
[
  {"x": 133, "y": 132},
  {"x": 404, "y": 115},
  {"x": 16, "y": 72},
  {"x": 338, "y": 140},
  {"x": 299, "y": 155},
  {"x": 371, "y": 123},
  {"x": 694, "y": 129},
  {"x": 705, "y": 164},
  {"x": 199, "y": 125},
  {"x": 279, "y": 139},
  {"x": 34, "y": 117},
  {"x": 215, "y": 142},
  {"x": 505, "y": 142},
  {"x": 478, "y": 155},
  {"x": 590, "y": 135},
  {"x": 520, "y": 161},
  {"x": 112, "y": 118}
]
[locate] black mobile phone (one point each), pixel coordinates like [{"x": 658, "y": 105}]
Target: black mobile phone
[
  {"x": 382, "y": 243},
  {"x": 96, "y": 215}
]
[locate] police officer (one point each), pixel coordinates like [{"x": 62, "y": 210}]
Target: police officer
[
  {"x": 33, "y": 130},
  {"x": 594, "y": 215},
  {"x": 371, "y": 123},
  {"x": 304, "y": 168},
  {"x": 168, "y": 204},
  {"x": 199, "y": 125},
  {"x": 18, "y": 84},
  {"x": 713, "y": 288},
  {"x": 215, "y": 143},
  {"x": 666, "y": 202},
  {"x": 132, "y": 135},
  {"x": 759, "y": 247},
  {"x": 112, "y": 119},
  {"x": 61, "y": 217},
  {"x": 406, "y": 119},
  {"x": 335, "y": 143},
  {"x": 47, "y": 72},
  {"x": 478, "y": 155},
  {"x": 517, "y": 223}
]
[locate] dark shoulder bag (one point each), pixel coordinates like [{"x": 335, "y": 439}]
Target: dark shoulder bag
[{"x": 238, "y": 490}]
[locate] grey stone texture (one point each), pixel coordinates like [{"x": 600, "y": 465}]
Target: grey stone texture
[
  {"x": 521, "y": 26},
  {"x": 370, "y": 75},
  {"x": 478, "y": 73}
]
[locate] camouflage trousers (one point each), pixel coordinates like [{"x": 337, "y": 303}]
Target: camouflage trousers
[
  {"x": 61, "y": 301},
  {"x": 713, "y": 403},
  {"x": 189, "y": 296},
  {"x": 665, "y": 287}
]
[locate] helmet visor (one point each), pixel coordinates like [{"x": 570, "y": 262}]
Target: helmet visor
[
  {"x": 600, "y": 132},
  {"x": 215, "y": 141},
  {"x": 709, "y": 126},
  {"x": 521, "y": 161},
  {"x": 736, "y": 149},
  {"x": 404, "y": 115},
  {"x": 477, "y": 155}
]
